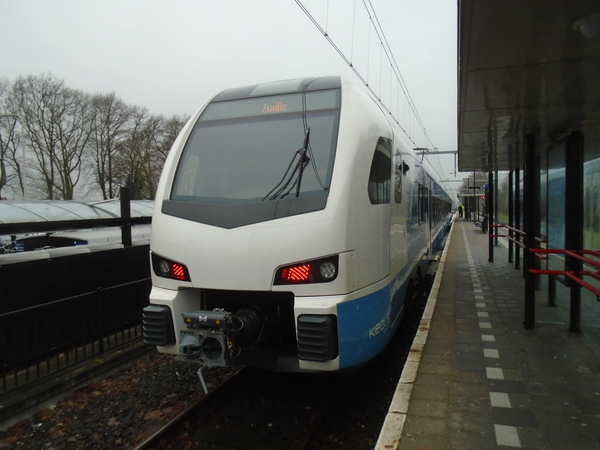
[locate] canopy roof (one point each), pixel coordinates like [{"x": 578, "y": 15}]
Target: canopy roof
[
  {"x": 139, "y": 208},
  {"x": 54, "y": 210},
  {"x": 524, "y": 67}
]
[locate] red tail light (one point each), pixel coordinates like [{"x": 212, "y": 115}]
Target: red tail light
[
  {"x": 178, "y": 271},
  {"x": 296, "y": 273},
  {"x": 169, "y": 269},
  {"x": 320, "y": 270}
]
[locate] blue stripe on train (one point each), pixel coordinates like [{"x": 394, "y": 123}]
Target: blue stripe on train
[
  {"x": 366, "y": 324},
  {"x": 364, "y": 327}
]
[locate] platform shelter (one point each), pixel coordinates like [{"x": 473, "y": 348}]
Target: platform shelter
[{"x": 529, "y": 117}]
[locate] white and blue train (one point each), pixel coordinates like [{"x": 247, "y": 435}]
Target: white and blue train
[{"x": 293, "y": 223}]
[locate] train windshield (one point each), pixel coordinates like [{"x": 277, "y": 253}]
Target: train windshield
[{"x": 240, "y": 150}]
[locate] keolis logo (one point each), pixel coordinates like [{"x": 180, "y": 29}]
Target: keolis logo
[{"x": 381, "y": 326}]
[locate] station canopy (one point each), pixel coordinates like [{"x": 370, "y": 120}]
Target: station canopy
[
  {"x": 525, "y": 67},
  {"x": 55, "y": 210},
  {"x": 139, "y": 208}
]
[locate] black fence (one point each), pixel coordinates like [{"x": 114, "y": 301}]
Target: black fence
[{"x": 58, "y": 312}]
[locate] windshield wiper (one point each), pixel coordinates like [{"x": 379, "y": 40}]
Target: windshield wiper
[{"x": 298, "y": 168}]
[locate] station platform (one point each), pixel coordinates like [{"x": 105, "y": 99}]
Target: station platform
[{"x": 477, "y": 379}]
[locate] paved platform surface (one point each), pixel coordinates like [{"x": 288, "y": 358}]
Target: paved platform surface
[{"x": 476, "y": 379}]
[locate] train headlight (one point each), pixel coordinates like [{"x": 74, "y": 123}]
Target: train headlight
[
  {"x": 328, "y": 270},
  {"x": 321, "y": 270},
  {"x": 164, "y": 266},
  {"x": 169, "y": 269}
]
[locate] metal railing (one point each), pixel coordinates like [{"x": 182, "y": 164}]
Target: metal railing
[
  {"x": 574, "y": 275},
  {"x": 517, "y": 236},
  {"x": 52, "y": 323},
  {"x": 48, "y": 338},
  {"x": 520, "y": 233}
]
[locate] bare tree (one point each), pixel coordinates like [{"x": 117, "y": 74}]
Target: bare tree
[
  {"x": 75, "y": 133},
  {"x": 56, "y": 124},
  {"x": 10, "y": 168},
  {"x": 142, "y": 154},
  {"x": 161, "y": 145},
  {"x": 134, "y": 152},
  {"x": 40, "y": 110},
  {"x": 170, "y": 130},
  {"x": 111, "y": 119},
  {"x": 153, "y": 161},
  {"x": 72, "y": 138}
]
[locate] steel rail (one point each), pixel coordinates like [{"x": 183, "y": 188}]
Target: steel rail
[{"x": 152, "y": 441}]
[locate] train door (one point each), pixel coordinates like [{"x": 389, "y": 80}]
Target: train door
[
  {"x": 378, "y": 222},
  {"x": 398, "y": 217},
  {"x": 424, "y": 209},
  {"x": 430, "y": 215}
]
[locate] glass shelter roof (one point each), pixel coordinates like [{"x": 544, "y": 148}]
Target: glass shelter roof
[
  {"x": 139, "y": 208},
  {"x": 54, "y": 210}
]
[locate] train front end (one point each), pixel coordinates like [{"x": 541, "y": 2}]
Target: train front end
[{"x": 250, "y": 252}]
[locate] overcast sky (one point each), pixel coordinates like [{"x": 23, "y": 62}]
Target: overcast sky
[{"x": 172, "y": 55}]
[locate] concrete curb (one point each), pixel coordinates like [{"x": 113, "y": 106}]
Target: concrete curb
[{"x": 391, "y": 432}]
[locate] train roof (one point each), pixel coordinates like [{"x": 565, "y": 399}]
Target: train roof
[{"x": 280, "y": 87}]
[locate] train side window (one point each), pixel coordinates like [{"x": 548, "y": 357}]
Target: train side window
[
  {"x": 423, "y": 203},
  {"x": 379, "y": 177},
  {"x": 398, "y": 179},
  {"x": 420, "y": 204}
]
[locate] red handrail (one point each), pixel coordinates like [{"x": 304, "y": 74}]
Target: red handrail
[
  {"x": 595, "y": 275},
  {"x": 518, "y": 240},
  {"x": 577, "y": 254},
  {"x": 513, "y": 229},
  {"x": 595, "y": 253}
]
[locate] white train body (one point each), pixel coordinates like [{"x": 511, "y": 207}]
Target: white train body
[{"x": 325, "y": 267}]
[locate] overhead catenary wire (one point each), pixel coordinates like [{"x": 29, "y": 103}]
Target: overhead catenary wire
[
  {"x": 415, "y": 129},
  {"x": 390, "y": 56},
  {"x": 348, "y": 62},
  {"x": 399, "y": 74},
  {"x": 385, "y": 50}
]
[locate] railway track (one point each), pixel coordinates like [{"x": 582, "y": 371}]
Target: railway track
[
  {"x": 260, "y": 410},
  {"x": 252, "y": 410},
  {"x": 172, "y": 428}
]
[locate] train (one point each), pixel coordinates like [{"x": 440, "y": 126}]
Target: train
[{"x": 293, "y": 224}]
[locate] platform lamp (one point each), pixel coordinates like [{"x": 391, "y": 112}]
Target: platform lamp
[{"x": 589, "y": 26}]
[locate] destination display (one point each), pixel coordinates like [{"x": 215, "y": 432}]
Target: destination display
[{"x": 279, "y": 104}]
